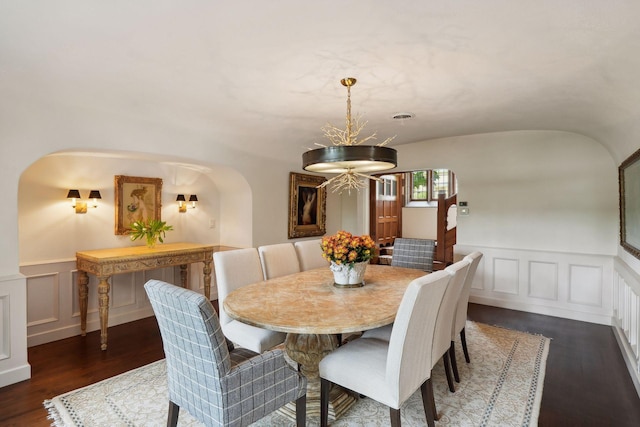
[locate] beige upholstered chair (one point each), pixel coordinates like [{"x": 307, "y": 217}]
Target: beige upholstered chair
[
  {"x": 235, "y": 269},
  {"x": 460, "y": 320},
  {"x": 391, "y": 371},
  {"x": 279, "y": 260},
  {"x": 442, "y": 337},
  {"x": 310, "y": 254}
]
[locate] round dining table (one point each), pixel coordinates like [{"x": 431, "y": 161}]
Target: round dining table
[{"x": 312, "y": 311}]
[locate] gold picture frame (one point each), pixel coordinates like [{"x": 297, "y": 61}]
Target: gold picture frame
[
  {"x": 137, "y": 198},
  {"x": 307, "y": 206},
  {"x": 629, "y": 183}
]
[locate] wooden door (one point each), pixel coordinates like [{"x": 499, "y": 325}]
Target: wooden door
[{"x": 385, "y": 208}]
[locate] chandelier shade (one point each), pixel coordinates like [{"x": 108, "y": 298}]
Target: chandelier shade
[{"x": 344, "y": 158}]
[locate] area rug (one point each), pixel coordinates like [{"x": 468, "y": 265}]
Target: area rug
[{"x": 502, "y": 386}]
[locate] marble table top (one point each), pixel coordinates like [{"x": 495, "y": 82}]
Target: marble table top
[{"x": 309, "y": 303}]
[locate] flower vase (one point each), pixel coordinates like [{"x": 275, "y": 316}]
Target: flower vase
[
  {"x": 348, "y": 275},
  {"x": 151, "y": 241}
]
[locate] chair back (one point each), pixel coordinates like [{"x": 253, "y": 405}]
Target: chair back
[
  {"x": 444, "y": 323},
  {"x": 278, "y": 260},
  {"x": 310, "y": 254},
  {"x": 234, "y": 269},
  {"x": 194, "y": 346},
  {"x": 409, "y": 355},
  {"x": 463, "y": 302},
  {"x": 413, "y": 253}
]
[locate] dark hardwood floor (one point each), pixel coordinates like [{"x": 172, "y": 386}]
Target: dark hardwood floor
[{"x": 586, "y": 381}]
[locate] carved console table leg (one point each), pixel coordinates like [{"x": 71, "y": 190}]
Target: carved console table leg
[
  {"x": 207, "y": 278},
  {"x": 183, "y": 275},
  {"x": 308, "y": 350},
  {"x": 103, "y": 305},
  {"x": 83, "y": 298}
]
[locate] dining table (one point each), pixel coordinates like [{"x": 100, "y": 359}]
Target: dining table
[{"x": 313, "y": 312}]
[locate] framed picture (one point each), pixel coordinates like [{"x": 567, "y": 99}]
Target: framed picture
[
  {"x": 137, "y": 198},
  {"x": 629, "y": 181},
  {"x": 307, "y": 206}
]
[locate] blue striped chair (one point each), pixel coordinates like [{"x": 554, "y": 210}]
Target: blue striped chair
[{"x": 216, "y": 386}]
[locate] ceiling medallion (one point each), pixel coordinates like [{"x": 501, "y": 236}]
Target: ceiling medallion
[{"x": 348, "y": 157}]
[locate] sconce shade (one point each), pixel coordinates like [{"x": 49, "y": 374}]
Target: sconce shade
[
  {"x": 180, "y": 198},
  {"x": 73, "y": 194},
  {"x": 193, "y": 198},
  {"x": 95, "y": 194}
]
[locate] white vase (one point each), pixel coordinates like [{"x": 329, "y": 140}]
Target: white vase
[{"x": 349, "y": 276}]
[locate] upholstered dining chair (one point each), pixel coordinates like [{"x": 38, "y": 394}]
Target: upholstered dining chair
[
  {"x": 460, "y": 320},
  {"x": 413, "y": 253},
  {"x": 216, "y": 386},
  {"x": 442, "y": 338},
  {"x": 279, "y": 260},
  {"x": 234, "y": 269},
  {"x": 391, "y": 371},
  {"x": 310, "y": 254}
]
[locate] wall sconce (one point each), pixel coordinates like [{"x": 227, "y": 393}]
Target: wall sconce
[
  {"x": 182, "y": 202},
  {"x": 193, "y": 199},
  {"x": 95, "y": 195},
  {"x": 182, "y": 207},
  {"x": 81, "y": 207}
]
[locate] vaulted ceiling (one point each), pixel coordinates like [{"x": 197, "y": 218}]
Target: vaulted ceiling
[{"x": 264, "y": 75}]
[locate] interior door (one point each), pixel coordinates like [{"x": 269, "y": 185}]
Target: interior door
[{"x": 385, "y": 208}]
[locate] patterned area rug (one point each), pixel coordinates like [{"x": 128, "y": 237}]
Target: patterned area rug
[{"x": 502, "y": 386}]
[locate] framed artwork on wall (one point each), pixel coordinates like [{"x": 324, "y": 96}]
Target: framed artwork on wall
[
  {"x": 307, "y": 206},
  {"x": 137, "y": 199},
  {"x": 629, "y": 182}
]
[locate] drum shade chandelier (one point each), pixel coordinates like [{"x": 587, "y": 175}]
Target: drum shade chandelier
[{"x": 348, "y": 156}]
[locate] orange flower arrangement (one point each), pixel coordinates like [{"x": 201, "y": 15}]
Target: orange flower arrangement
[{"x": 344, "y": 248}]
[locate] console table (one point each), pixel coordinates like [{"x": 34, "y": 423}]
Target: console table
[{"x": 103, "y": 263}]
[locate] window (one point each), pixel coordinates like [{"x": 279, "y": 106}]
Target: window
[
  {"x": 425, "y": 185},
  {"x": 387, "y": 188}
]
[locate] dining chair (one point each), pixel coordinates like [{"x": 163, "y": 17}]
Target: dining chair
[
  {"x": 442, "y": 339},
  {"x": 310, "y": 254},
  {"x": 234, "y": 269},
  {"x": 460, "y": 320},
  {"x": 279, "y": 260},
  {"x": 216, "y": 386},
  {"x": 391, "y": 371},
  {"x": 413, "y": 253}
]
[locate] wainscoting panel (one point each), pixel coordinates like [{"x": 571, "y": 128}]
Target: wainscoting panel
[
  {"x": 585, "y": 285},
  {"x": 569, "y": 285},
  {"x": 52, "y": 298},
  {"x": 505, "y": 275},
  {"x": 47, "y": 306},
  {"x": 626, "y": 317},
  {"x": 543, "y": 280},
  {"x": 5, "y": 328}
]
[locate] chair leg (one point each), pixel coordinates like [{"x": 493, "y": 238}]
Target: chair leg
[
  {"x": 172, "y": 419},
  {"x": 339, "y": 337},
  {"x": 447, "y": 371},
  {"x": 463, "y": 338},
  {"x": 325, "y": 385},
  {"x": 454, "y": 363},
  {"x": 301, "y": 411},
  {"x": 428, "y": 402},
  {"x": 395, "y": 417}
]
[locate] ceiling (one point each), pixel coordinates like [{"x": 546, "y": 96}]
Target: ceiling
[{"x": 264, "y": 76}]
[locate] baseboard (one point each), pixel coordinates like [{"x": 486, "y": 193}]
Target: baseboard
[
  {"x": 627, "y": 355},
  {"x": 15, "y": 375},
  {"x": 92, "y": 325},
  {"x": 600, "y": 319}
]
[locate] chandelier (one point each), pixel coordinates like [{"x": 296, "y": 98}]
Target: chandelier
[{"x": 348, "y": 156}]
